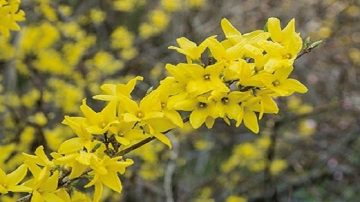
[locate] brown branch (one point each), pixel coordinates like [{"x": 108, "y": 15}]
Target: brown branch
[
  {"x": 142, "y": 142},
  {"x": 135, "y": 146}
]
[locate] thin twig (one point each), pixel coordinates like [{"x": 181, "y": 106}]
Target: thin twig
[
  {"x": 142, "y": 142},
  {"x": 308, "y": 49},
  {"x": 135, "y": 146}
]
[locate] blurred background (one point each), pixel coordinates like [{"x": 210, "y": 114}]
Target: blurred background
[{"x": 310, "y": 151}]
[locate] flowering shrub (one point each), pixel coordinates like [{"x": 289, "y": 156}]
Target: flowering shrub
[{"x": 236, "y": 79}]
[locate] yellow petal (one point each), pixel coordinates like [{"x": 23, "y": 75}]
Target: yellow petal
[
  {"x": 62, "y": 193},
  {"x": 274, "y": 27},
  {"x": 161, "y": 124},
  {"x": 295, "y": 85},
  {"x": 239, "y": 117},
  {"x": 122, "y": 140},
  {"x": 163, "y": 138},
  {"x": 19, "y": 188},
  {"x": 109, "y": 112},
  {"x": 174, "y": 117},
  {"x": 176, "y": 72},
  {"x": 153, "y": 115},
  {"x": 228, "y": 29},
  {"x": 112, "y": 181},
  {"x": 98, "y": 191},
  {"x": 50, "y": 197},
  {"x": 197, "y": 118},
  {"x": 2, "y": 174},
  {"x": 130, "y": 117},
  {"x": 77, "y": 170},
  {"x": 289, "y": 30},
  {"x": 36, "y": 197},
  {"x": 250, "y": 121},
  {"x": 130, "y": 86},
  {"x": 217, "y": 49},
  {"x": 129, "y": 105},
  {"x": 104, "y": 97},
  {"x": 270, "y": 105},
  {"x": 209, "y": 122},
  {"x": 17, "y": 175},
  {"x": 185, "y": 104},
  {"x": 51, "y": 183},
  {"x": 70, "y": 146},
  {"x": 90, "y": 114}
]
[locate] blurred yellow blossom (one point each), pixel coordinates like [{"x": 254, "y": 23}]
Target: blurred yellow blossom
[
  {"x": 196, "y": 3},
  {"x": 171, "y": 5},
  {"x": 10, "y": 16},
  {"x": 233, "y": 198},
  {"x": 277, "y": 166},
  {"x": 97, "y": 16}
]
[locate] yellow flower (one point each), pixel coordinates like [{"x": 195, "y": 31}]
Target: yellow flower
[
  {"x": 39, "y": 158},
  {"x": 229, "y": 105},
  {"x": 115, "y": 92},
  {"x": 202, "y": 110},
  {"x": 10, "y": 15},
  {"x": 148, "y": 113},
  {"x": 198, "y": 79},
  {"x": 78, "y": 162},
  {"x": 10, "y": 182},
  {"x": 44, "y": 184},
  {"x": 287, "y": 37},
  {"x": 190, "y": 49},
  {"x": 162, "y": 93},
  {"x": 244, "y": 73},
  {"x": 281, "y": 84},
  {"x": 77, "y": 124},
  {"x": 99, "y": 122},
  {"x": 105, "y": 173}
]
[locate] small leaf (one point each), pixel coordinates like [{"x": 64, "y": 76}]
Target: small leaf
[{"x": 315, "y": 44}]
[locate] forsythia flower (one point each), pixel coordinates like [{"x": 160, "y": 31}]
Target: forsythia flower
[
  {"x": 10, "y": 182},
  {"x": 105, "y": 172},
  {"x": 189, "y": 49}
]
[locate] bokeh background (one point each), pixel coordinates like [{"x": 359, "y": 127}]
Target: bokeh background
[{"x": 310, "y": 151}]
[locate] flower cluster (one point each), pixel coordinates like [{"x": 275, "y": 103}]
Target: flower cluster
[
  {"x": 233, "y": 79},
  {"x": 10, "y": 16},
  {"x": 241, "y": 76}
]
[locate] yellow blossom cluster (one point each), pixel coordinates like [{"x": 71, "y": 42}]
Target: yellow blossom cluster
[{"x": 241, "y": 76}]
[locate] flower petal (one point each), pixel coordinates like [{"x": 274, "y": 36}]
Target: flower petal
[
  {"x": 197, "y": 118},
  {"x": 17, "y": 175},
  {"x": 250, "y": 121}
]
